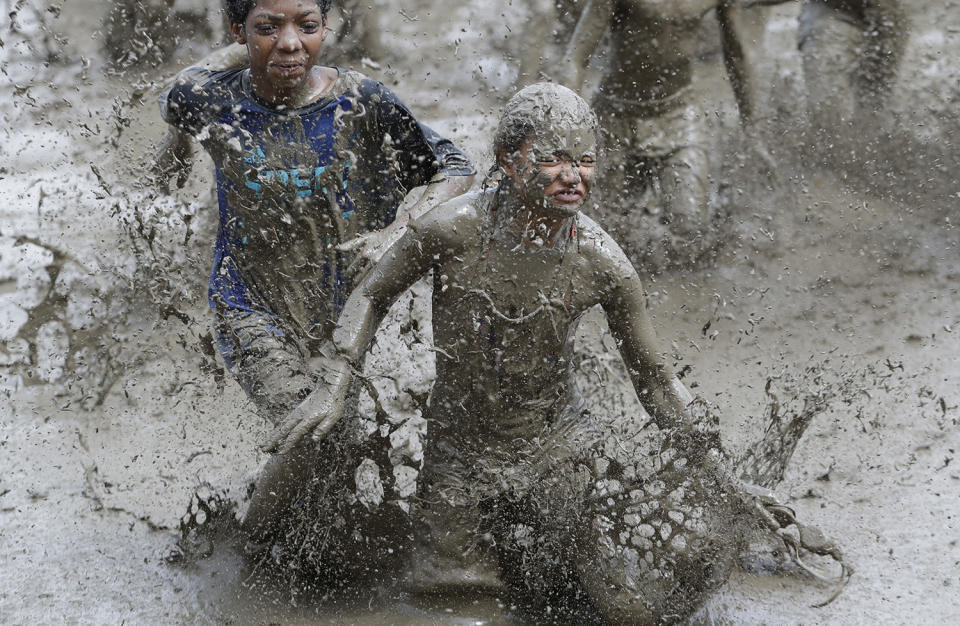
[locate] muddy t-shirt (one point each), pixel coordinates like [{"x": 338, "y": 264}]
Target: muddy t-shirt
[{"x": 294, "y": 183}]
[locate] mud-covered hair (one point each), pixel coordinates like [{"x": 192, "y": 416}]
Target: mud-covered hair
[
  {"x": 533, "y": 107},
  {"x": 237, "y": 10}
]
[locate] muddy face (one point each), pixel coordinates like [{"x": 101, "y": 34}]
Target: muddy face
[
  {"x": 551, "y": 161},
  {"x": 283, "y": 39},
  {"x": 554, "y": 177}
]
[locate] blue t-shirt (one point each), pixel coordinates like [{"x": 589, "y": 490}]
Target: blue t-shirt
[{"x": 294, "y": 183}]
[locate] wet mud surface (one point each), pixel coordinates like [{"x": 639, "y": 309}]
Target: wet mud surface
[{"x": 114, "y": 411}]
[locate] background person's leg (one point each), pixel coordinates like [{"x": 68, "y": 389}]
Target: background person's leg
[
  {"x": 885, "y": 37},
  {"x": 831, "y": 48},
  {"x": 685, "y": 194}
]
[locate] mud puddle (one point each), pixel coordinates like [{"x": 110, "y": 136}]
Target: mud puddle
[{"x": 822, "y": 272}]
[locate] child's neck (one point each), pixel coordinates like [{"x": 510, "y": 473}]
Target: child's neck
[
  {"x": 534, "y": 227},
  {"x": 315, "y": 84}
]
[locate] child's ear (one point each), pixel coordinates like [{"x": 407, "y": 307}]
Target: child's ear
[
  {"x": 323, "y": 28},
  {"x": 508, "y": 163},
  {"x": 239, "y": 33}
]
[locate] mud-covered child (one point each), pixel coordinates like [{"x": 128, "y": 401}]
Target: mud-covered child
[
  {"x": 514, "y": 267},
  {"x": 312, "y": 163}
]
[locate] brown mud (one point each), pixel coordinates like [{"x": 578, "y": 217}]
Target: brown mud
[{"x": 114, "y": 409}]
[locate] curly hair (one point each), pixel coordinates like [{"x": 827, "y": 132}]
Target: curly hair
[{"x": 237, "y": 10}]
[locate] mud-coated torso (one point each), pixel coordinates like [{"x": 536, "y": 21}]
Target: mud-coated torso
[
  {"x": 293, "y": 184},
  {"x": 506, "y": 376},
  {"x": 654, "y": 42}
]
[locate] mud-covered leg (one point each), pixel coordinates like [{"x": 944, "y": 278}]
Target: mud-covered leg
[
  {"x": 685, "y": 188},
  {"x": 631, "y": 209},
  {"x": 534, "y": 541},
  {"x": 884, "y": 40},
  {"x": 277, "y": 485},
  {"x": 830, "y": 48},
  {"x": 273, "y": 371}
]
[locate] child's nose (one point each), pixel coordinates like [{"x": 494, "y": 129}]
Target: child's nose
[
  {"x": 288, "y": 38},
  {"x": 570, "y": 171}
]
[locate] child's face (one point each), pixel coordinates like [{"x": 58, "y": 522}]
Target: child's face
[
  {"x": 555, "y": 173},
  {"x": 283, "y": 39}
]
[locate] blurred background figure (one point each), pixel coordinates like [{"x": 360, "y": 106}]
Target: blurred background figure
[
  {"x": 656, "y": 185},
  {"x": 358, "y": 35},
  {"x": 147, "y": 33},
  {"x": 851, "y": 53},
  {"x": 551, "y": 27}
]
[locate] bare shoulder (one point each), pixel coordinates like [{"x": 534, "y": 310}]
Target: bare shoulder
[
  {"x": 455, "y": 224},
  {"x": 603, "y": 254}
]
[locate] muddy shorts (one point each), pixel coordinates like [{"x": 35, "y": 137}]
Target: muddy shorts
[
  {"x": 271, "y": 365},
  {"x": 469, "y": 490},
  {"x": 654, "y": 186}
]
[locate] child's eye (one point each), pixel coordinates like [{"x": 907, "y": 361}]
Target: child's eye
[
  {"x": 587, "y": 160},
  {"x": 310, "y": 27},
  {"x": 265, "y": 29},
  {"x": 548, "y": 160}
]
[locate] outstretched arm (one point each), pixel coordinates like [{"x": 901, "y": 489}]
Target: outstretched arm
[
  {"x": 762, "y": 3},
  {"x": 370, "y": 246},
  {"x": 593, "y": 21},
  {"x": 735, "y": 60},
  {"x": 402, "y": 265},
  {"x": 660, "y": 391}
]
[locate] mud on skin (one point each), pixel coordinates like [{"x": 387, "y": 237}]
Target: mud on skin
[
  {"x": 871, "y": 477},
  {"x": 655, "y": 188},
  {"x": 510, "y": 453}
]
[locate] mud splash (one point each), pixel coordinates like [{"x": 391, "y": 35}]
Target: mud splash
[{"x": 861, "y": 262}]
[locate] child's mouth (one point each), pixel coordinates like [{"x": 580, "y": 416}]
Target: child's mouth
[
  {"x": 288, "y": 67},
  {"x": 570, "y": 196}
]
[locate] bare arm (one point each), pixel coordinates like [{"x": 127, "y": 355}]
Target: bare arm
[
  {"x": 403, "y": 264},
  {"x": 438, "y": 191},
  {"x": 593, "y": 21},
  {"x": 762, "y": 3},
  {"x": 660, "y": 391},
  {"x": 369, "y": 247},
  {"x": 735, "y": 60}
]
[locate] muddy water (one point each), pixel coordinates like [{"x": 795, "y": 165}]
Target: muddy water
[{"x": 821, "y": 270}]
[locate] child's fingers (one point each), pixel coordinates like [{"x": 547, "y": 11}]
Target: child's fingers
[
  {"x": 324, "y": 427},
  {"x": 297, "y": 434},
  {"x": 280, "y": 434},
  {"x": 352, "y": 245}
]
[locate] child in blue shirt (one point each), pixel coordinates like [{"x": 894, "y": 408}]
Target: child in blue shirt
[{"x": 308, "y": 158}]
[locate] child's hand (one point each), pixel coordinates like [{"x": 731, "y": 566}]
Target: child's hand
[
  {"x": 368, "y": 247},
  {"x": 318, "y": 412},
  {"x": 759, "y": 153},
  {"x": 175, "y": 157}
]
